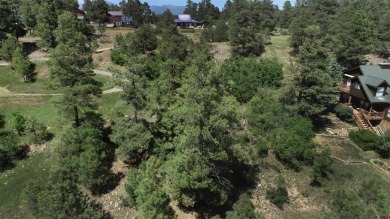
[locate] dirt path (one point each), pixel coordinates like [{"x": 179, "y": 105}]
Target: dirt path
[
  {"x": 104, "y": 73},
  {"x": 113, "y": 90},
  {"x": 104, "y": 49}
]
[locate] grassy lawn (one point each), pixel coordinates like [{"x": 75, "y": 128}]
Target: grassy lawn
[
  {"x": 342, "y": 148},
  {"x": 13, "y": 181},
  {"x": 15, "y": 84},
  {"x": 112, "y": 106},
  {"x": 107, "y": 82},
  {"x": 41, "y": 108}
]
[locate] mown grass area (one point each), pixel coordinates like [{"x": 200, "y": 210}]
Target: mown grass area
[
  {"x": 344, "y": 149},
  {"x": 15, "y": 84},
  {"x": 13, "y": 181},
  {"x": 107, "y": 82},
  {"x": 279, "y": 49},
  {"x": 42, "y": 108},
  {"x": 112, "y": 106}
]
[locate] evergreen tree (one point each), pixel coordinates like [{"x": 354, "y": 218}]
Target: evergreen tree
[
  {"x": 133, "y": 139},
  {"x": 98, "y": 11},
  {"x": 134, "y": 9},
  {"x": 316, "y": 83},
  {"x": 247, "y": 31},
  {"x": 166, "y": 19},
  {"x": 47, "y": 23},
  {"x": 8, "y": 47},
  {"x": 28, "y": 9},
  {"x": 71, "y": 67},
  {"x": 354, "y": 36},
  {"x": 83, "y": 151},
  {"x": 22, "y": 65},
  {"x": 61, "y": 198},
  {"x": 286, "y": 15}
]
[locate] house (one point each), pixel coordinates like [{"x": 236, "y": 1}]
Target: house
[
  {"x": 119, "y": 19},
  {"x": 186, "y": 21},
  {"x": 81, "y": 15},
  {"x": 367, "y": 88}
]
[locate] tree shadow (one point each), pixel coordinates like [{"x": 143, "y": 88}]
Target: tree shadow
[
  {"x": 112, "y": 182},
  {"x": 2, "y": 121},
  {"x": 321, "y": 123},
  {"x": 30, "y": 47},
  {"x": 243, "y": 178}
]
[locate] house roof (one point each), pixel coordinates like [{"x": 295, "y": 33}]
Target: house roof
[
  {"x": 374, "y": 76},
  {"x": 185, "y": 18},
  {"x": 115, "y": 13}
]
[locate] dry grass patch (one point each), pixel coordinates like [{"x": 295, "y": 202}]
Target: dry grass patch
[
  {"x": 109, "y": 39},
  {"x": 221, "y": 51}
]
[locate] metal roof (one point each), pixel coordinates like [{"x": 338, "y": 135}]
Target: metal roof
[
  {"x": 374, "y": 75},
  {"x": 185, "y": 18}
]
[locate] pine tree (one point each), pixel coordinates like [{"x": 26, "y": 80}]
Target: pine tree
[
  {"x": 246, "y": 36},
  {"x": 22, "y": 64},
  {"x": 71, "y": 67},
  {"x": 316, "y": 83},
  {"x": 98, "y": 11}
]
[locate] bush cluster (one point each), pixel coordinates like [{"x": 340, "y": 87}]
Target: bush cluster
[
  {"x": 344, "y": 113},
  {"x": 365, "y": 139}
]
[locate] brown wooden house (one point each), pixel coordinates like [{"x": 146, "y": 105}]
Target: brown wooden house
[{"x": 367, "y": 88}]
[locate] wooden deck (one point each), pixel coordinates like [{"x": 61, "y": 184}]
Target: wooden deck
[{"x": 372, "y": 115}]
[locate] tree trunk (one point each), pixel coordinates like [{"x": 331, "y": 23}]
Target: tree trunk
[{"x": 76, "y": 116}]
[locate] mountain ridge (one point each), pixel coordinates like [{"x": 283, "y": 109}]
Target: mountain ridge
[{"x": 159, "y": 9}]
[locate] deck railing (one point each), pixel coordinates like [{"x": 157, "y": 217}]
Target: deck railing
[{"x": 372, "y": 115}]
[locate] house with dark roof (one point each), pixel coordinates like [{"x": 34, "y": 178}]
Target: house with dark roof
[
  {"x": 185, "y": 21},
  {"x": 119, "y": 19},
  {"x": 367, "y": 88}
]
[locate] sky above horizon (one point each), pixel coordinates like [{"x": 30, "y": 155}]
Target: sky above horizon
[{"x": 218, "y": 3}]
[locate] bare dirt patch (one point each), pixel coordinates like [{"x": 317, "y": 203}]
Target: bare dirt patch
[
  {"x": 31, "y": 101},
  {"x": 38, "y": 55},
  {"x": 112, "y": 202},
  {"x": 102, "y": 60},
  {"x": 4, "y": 90},
  {"x": 221, "y": 51},
  {"x": 108, "y": 38},
  {"x": 373, "y": 59}
]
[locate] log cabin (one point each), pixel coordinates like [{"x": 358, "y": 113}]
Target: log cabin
[{"x": 367, "y": 88}]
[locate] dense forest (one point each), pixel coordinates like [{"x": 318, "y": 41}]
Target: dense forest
[{"x": 196, "y": 134}]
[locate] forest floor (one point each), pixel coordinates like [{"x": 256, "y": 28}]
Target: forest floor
[{"x": 306, "y": 201}]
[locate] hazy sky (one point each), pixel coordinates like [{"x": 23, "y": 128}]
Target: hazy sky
[{"x": 218, "y": 3}]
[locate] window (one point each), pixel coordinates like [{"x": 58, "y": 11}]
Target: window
[
  {"x": 388, "y": 113},
  {"x": 380, "y": 91},
  {"x": 357, "y": 85}
]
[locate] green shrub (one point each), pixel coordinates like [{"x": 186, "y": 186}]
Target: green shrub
[
  {"x": 279, "y": 195},
  {"x": 7, "y": 48},
  {"x": 118, "y": 57},
  {"x": 344, "y": 113},
  {"x": 36, "y": 132},
  {"x": 244, "y": 76},
  {"x": 365, "y": 139},
  {"x": 18, "y": 122},
  {"x": 8, "y": 149}
]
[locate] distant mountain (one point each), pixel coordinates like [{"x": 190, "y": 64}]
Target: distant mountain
[{"x": 174, "y": 9}]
